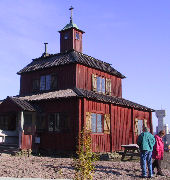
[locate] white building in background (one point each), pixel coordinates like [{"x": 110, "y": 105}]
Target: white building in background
[
  {"x": 166, "y": 128},
  {"x": 160, "y": 114}
]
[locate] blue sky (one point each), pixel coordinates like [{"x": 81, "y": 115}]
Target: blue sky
[{"x": 132, "y": 35}]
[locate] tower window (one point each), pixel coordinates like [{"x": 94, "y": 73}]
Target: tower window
[
  {"x": 66, "y": 35},
  {"x": 77, "y": 36}
]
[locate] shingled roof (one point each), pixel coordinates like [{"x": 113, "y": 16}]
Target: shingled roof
[
  {"x": 111, "y": 99},
  {"x": 68, "y": 58},
  {"x": 24, "y": 105},
  {"x": 50, "y": 95},
  {"x": 76, "y": 92}
]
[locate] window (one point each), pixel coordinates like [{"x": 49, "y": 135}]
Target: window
[
  {"x": 42, "y": 83},
  {"x": 138, "y": 126},
  {"x": 45, "y": 82},
  {"x": 77, "y": 36},
  {"x": 108, "y": 86},
  {"x": 101, "y": 84},
  {"x": 96, "y": 123},
  {"x": 66, "y": 35},
  {"x": 58, "y": 122},
  {"x": 53, "y": 81},
  {"x": 48, "y": 82}
]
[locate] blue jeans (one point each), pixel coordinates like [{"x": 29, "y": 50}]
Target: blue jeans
[{"x": 146, "y": 156}]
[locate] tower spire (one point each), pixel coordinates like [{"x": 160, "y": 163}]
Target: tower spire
[{"x": 71, "y": 17}]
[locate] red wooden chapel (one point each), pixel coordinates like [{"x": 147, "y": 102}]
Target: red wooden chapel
[{"x": 64, "y": 92}]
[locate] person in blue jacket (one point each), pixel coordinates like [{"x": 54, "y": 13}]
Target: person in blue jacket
[{"x": 146, "y": 141}]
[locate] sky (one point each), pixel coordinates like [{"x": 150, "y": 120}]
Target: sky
[{"x": 132, "y": 35}]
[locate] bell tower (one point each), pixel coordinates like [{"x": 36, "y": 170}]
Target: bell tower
[{"x": 71, "y": 36}]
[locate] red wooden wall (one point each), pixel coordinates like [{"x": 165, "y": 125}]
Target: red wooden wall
[
  {"x": 66, "y": 78},
  {"x": 100, "y": 141},
  {"x": 70, "y": 43},
  {"x": 84, "y": 79},
  {"x": 66, "y": 44},
  {"x": 60, "y": 141},
  {"x": 122, "y": 125}
]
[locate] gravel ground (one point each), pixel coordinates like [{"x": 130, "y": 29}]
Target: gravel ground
[{"x": 61, "y": 168}]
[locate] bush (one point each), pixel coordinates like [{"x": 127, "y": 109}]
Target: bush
[{"x": 84, "y": 163}]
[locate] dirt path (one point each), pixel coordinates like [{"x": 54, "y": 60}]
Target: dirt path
[{"x": 54, "y": 168}]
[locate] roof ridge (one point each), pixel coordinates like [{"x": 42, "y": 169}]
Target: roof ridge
[{"x": 69, "y": 57}]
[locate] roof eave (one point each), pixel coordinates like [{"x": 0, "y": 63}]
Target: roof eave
[{"x": 71, "y": 28}]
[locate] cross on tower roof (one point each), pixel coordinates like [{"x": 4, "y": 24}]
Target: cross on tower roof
[{"x": 71, "y": 17}]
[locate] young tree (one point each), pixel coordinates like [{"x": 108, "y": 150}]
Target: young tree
[{"x": 84, "y": 163}]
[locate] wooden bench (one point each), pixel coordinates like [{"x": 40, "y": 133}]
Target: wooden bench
[{"x": 130, "y": 148}]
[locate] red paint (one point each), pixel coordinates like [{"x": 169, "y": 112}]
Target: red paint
[
  {"x": 60, "y": 141},
  {"x": 71, "y": 42},
  {"x": 26, "y": 141},
  {"x": 66, "y": 78},
  {"x": 84, "y": 79}
]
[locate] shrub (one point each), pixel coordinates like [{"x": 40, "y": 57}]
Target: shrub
[{"x": 84, "y": 163}]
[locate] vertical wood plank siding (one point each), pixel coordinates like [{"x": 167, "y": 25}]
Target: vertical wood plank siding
[
  {"x": 100, "y": 141},
  {"x": 66, "y": 78},
  {"x": 71, "y": 42},
  {"x": 66, "y": 44},
  {"x": 61, "y": 141},
  {"x": 84, "y": 79},
  {"x": 122, "y": 124},
  {"x": 58, "y": 141},
  {"x": 142, "y": 115}
]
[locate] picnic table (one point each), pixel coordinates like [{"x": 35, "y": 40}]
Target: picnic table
[{"x": 130, "y": 148}]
